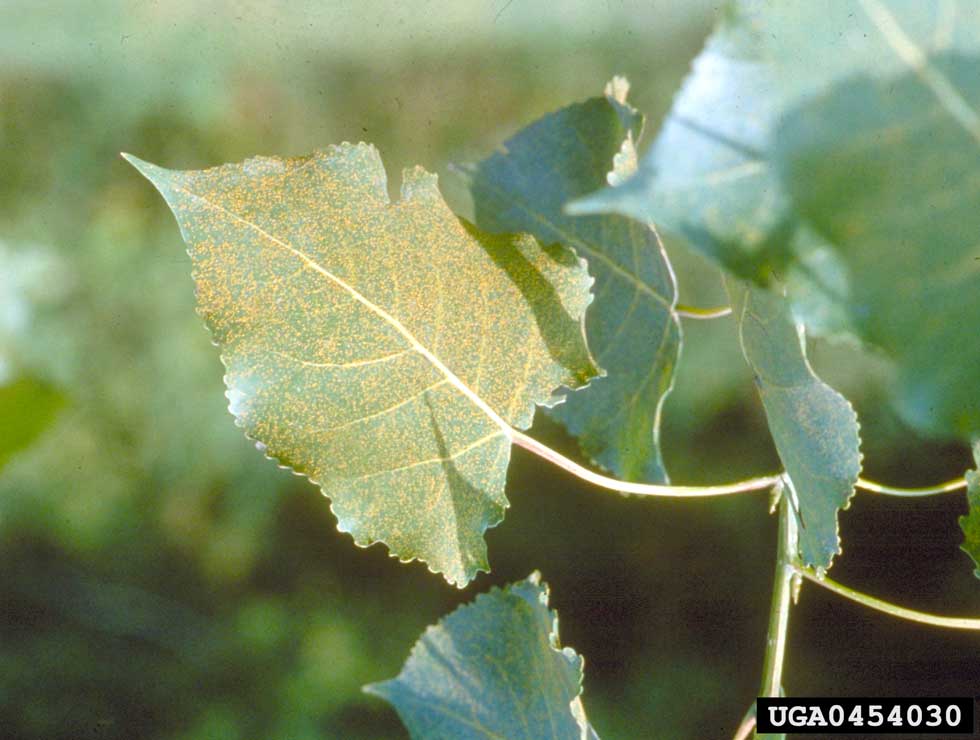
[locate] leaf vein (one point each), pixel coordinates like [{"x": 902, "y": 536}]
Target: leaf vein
[
  {"x": 367, "y": 303},
  {"x": 432, "y": 460}
]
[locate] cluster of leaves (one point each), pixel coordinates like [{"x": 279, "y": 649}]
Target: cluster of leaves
[
  {"x": 391, "y": 351},
  {"x": 141, "y": 490}
]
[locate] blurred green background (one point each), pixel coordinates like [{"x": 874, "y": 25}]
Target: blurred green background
[{"x": 160, "y": 579}]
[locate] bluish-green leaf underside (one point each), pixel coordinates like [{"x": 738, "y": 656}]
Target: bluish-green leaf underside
[
  {"x": 885, "y": 171},
  {"x": 492, "y": 669},
  {"x": 632, "y": 326},
  {"x": 814, "y": 428}
]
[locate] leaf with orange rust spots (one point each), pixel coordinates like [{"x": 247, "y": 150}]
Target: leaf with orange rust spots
[{"x": 382, "y": 349}]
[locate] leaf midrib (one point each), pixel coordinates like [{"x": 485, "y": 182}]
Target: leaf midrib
[{"x": 414, "y": 344}]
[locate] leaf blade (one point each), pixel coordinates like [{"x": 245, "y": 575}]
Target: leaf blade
[
  {"x": 813, "y": 426},
  {"x": 742, "y": 172},
  {"x": 492, "y": 669},
  {"x": 524, "y": 186},
  {"x": 904, "y": 226},
  {"x": 706, "y": 178},
  {"x": 334, "y": 309}
]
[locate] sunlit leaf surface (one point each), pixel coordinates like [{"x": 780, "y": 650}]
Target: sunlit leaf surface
[{"x": 380, "y": 348}]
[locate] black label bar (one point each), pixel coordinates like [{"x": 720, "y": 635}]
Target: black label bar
[{"x": 832, "y": 716}]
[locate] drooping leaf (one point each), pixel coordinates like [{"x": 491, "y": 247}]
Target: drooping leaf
[
  {"x": 380, "y": 348},
  {"x": 27, "y": 407},
  {"x": 814, "y": 427},
  {"x": 632, "y": 325},
  {"x": 970, "y": 523},
  {"x": 492, "y": 669},
  {"x": 889, "y": 171}
]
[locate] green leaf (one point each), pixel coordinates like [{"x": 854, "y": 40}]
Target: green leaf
[
  {"x": 970, "y": 523},
  {"x": 889, "y": 171},
  {"x": 27, "y": 407},
  {"x": 835, "y": 147},
  {"x": 382, "y": 349},
  {"x": 706, "y": 178},
  {"x": 813, "y": 46},
  {"x": 814, "y": 427},
  {"x": 492, "y": 669},
  {"x": 632, "y": 326}
]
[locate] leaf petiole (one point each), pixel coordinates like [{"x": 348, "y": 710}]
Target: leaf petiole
[
  {"x": 745, "y": 729},
  {"x": 695, "y": 312},
  {"x": 948, "y": 487},
  {"x": 962, "y": 623},
  {"x": 752, "y": 484},
  {"x": 642, "y": 489}
]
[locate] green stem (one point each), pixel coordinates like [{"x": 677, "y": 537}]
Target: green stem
[
  {"x": 948, "y": 487},
  {"x": 782, "y": 593},
  {"x": 962, "y": 623},
  {"x": 694, "y": 312}
]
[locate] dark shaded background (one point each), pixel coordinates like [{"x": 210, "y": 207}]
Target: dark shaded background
[{"x": 160, "y": 579}]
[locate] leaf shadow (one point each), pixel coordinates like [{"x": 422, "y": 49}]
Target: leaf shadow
[
  {"x": 563, "y": 334},
  {"x": 468, "y": 504}
]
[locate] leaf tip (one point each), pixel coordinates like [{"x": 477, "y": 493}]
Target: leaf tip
[
  {"x": 378, "y": 689},
  {"x": 149, "y": 170},
  {"x": 132, "y": 159}
]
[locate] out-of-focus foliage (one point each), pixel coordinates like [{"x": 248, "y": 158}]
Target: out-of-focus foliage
[
  {"x": 28, "y": 404},
  {"x": 838, "y": 148},
  {"x": 27, "y": 407},
  {"x": 159, "y": 579}
]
